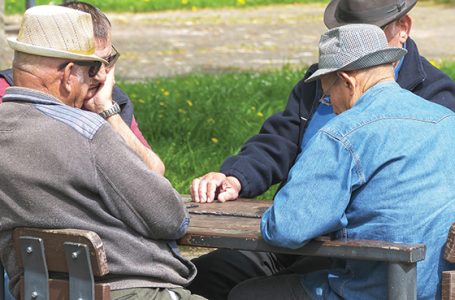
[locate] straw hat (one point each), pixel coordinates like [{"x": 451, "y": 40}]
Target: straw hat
[
  {"x": 354, "y": 47},
  {"x": 341, "y": 12},
  {"x": 55, "y": 31}
]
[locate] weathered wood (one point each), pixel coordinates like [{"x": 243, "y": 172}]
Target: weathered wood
[
  {"x": 449, "y": 251},
  {"x": 236, "y": 225},
  {"x": 448, "y": 285},
  {"x": 54, "y": 240}
]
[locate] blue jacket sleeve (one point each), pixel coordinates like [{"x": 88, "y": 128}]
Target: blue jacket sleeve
[
  {"x": 265, "y": 159},
  {"x": 315, "y": 197}
]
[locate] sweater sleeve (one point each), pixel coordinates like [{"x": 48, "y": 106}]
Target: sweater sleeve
[
  {"x": 265, "y": 159},
  {"x": 140, "y": 198}
]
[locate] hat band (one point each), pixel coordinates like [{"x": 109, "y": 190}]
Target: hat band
[
  {"x": 83, "y": 52},
  {"x": 372, "y": 14}
]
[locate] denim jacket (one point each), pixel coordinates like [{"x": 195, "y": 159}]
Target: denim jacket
[{"x": 383, "y": 170}]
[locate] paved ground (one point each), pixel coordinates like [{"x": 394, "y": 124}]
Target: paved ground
[{"x": 175, "y": 42}]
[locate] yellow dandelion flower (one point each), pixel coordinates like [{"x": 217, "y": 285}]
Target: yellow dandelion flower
[
  {"x": 241, "y": 2},
  {"x": 193, "y": 8},
  {"x": 260, "y": 114},
  {"x": 166, "y": 93},
  {"x": 214, "y": 140},
  {"x": 189, "y": 102},
  {"x": 184, "y": 2}
]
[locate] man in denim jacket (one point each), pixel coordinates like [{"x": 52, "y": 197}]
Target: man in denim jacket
[
  {"x": 385, "y": 172},
  {"x": 266, "y": 158}
]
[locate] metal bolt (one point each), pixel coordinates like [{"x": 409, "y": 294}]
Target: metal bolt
[
  {"x": 74, "y": 255},
  {"x": 29, "y": 250},
  {"x": 34, "y": 295}
]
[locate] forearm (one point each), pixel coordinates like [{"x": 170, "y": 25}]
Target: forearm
[{"x": 150, "y": 158}]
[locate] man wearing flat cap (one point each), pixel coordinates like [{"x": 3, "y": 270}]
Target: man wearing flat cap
[
  {"x": 266, "y": 158},
  {"x": 64, "y": 167},
  {"x": 379, "y": 162}
]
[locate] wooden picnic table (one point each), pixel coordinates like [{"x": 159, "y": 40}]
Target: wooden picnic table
[{"x": 235, "y": 225}]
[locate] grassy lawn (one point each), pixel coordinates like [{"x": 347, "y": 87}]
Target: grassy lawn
[
  {"x": 18, "y": 6},
  {"x": 195, "y": 121}
]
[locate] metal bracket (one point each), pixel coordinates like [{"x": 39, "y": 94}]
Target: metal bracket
[
  {"x": 81, "y": 282},
  {"x": 35, "y": 269}
]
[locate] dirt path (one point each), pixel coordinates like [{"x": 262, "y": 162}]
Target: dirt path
[{"x": 176, "y": 42}]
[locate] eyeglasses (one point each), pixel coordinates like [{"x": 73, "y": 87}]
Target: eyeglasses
[
  {"x": 112, "y": 58},
  {"x": 95, "y": 66},
  {"x": 325, "y": 99}
]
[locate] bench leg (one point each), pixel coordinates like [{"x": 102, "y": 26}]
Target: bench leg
[{"x": 402, "y": 282}]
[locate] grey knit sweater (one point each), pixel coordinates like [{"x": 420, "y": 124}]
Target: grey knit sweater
[{"x": 63, "y": 167}]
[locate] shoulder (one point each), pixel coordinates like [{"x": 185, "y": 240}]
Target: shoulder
[{"x": 83, "y": 122}]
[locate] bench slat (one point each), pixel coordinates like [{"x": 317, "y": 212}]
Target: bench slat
[{"x": 54, "y": 240}]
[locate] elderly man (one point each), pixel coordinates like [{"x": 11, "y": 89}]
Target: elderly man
[
  {"x": 63, "y": 167},
  {"x": 122, "y": 115},
  {"x": 266, "y": 158},
  {"x": 382, "y": 158}
]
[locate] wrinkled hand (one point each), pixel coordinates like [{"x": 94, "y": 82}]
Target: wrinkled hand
[
  {"x": 215, "y": 185},
  {"x": 102, "y": 100}
]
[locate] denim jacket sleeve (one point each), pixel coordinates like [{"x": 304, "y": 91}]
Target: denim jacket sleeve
[
  {"x": 314, "y": 199},
  {"x": 265, "y": 159}
]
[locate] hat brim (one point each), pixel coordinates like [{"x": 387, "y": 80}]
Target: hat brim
[
  {"x": 49, "y": 52},
  {"x": 380, "y": 57},
  {"x": 331, "y": 21}
]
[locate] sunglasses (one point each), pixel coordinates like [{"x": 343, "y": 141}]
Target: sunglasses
[
  {"x": 112, "y": 59},
  {"x": 95, "y": 66}
]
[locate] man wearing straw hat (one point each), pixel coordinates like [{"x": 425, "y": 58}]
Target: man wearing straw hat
[
  {"x": 266, "y": 158},
  {"x": 63, "y": 167},
  {"x": 121, "y": 118},
  {"x": 385, "y": 172}
]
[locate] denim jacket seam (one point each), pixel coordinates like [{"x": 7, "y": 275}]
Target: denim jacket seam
[{"x": 348, "y": 146}]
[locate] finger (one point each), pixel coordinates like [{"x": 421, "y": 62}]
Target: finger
[
  {"x": 228, "y": 195},
  {"x": 194, "y": 190},
  {"x": 211, "y": 189},
  {"x": 203, "y": 190}
]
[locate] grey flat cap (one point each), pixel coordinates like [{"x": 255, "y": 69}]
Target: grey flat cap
[{"x": 354, "y": 47}]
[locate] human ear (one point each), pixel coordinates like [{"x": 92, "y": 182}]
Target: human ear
[
  {"x": 347, "y": 79},
  {"x": 67, "y": 77},
  {"x": 405, "y": 24}
]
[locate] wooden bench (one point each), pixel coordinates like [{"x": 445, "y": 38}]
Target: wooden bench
[
  {"x": 61, "y": 264},
  {"x": 448, "y": 277}
]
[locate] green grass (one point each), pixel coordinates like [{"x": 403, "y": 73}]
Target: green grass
[
  {"x": 18, "y": 6},
  {"x": 195, "y": 121}
]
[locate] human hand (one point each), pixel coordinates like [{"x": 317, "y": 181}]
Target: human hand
[
  {"x": 101, "y": 99},
  {"x": 215, "y": 185}
]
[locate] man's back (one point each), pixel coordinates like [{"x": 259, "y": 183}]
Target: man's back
[
  {"x": 66, "y": 168},
  {"x": 395, "y": 152}
]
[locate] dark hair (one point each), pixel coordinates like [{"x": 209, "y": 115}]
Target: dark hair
[{"x": 101, "y": 24}]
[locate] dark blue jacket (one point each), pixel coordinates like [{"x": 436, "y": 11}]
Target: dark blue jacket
[
  {"x": 118, "y": 96},
  {"x": 266, "y": 158}
]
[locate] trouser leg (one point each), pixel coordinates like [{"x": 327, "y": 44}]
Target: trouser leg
[
  {"x": 283, "y": 287},
  {"x": 154, "y": 294},
  {"x": 219, "y": 271}
]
